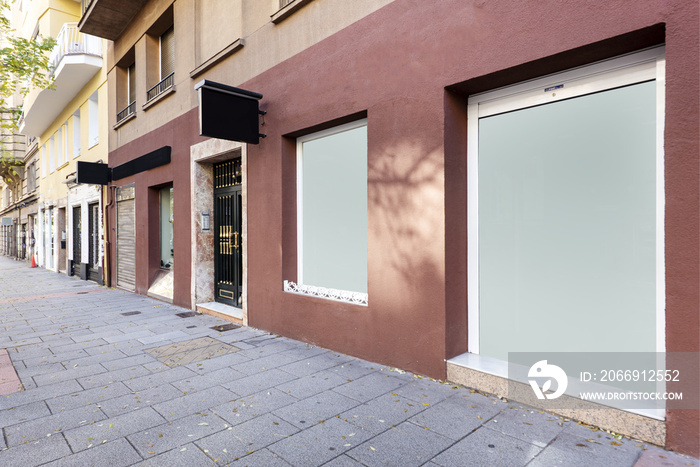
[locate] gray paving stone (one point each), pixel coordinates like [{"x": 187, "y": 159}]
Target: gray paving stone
[
  {"x": 320, "y": 443},
  {"x": 39, "y": 394},
  {"x": 456, "y": 417},
  {"x": 57, "y": 357},
  {"x": 313, "y": 384},
  {"x": 369, "y": 387},
  {"x": 574, "y": 451},
  {"x": 256, "y": 383},
  {"x": 42, "y": 427},
  {"x": 424, "y": 390},
  {"x": 172, "y": 435},
  {"x": 246, "y": 408},
  {"x": 315, "y": 364},
  {"x": 263, "y": 457},
  {"x": 118, "y": 453},
  {"x": 352, "y": 370},
  {"x": 253, "y": 435},
  {"x": 315, "y": 409},
  {"x": 264, "y": 363},
  {"x": 125, "y": 362},
  {"x": 169, "y": 336},
  {"x": 87, "y": 436},
  {"x": 215, "y": 378},
  {"x": 156, "y": 379},
  {"x": 528, "y": 425},
  {"x": 488, "y": 447},
  {"x": 383, "y": 412},
  {"x": 35, "y": 452},
  {"x": 83, "y": 397},
  {"x": 138, "y": 399},
  {"x": 405, "y": 445},
  {"x": 103, "y": 357},
  {"x": 130, "y": 347},
  {"x": 217, "y": 363},
  {"x": 188, "y": 455},
  {"x": 23, "y": 413},
  {"x": 199, "y": 401},
  {"x": 96, "y": 335},
  {"x": 109, "y": 377},
  {"x": 342, "y": 461},
  {"x": 137, "y": 334}
]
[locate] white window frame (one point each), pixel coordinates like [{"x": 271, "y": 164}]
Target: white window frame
[
  {"x": 43, "y": 160},
  {"x": 76, "y": 134},
  {"x": 93, "y": 120},
  {"x": 630, "y": 69},
  {"x": 52, "y": 154},
  {"x": 358, "y": 298}
]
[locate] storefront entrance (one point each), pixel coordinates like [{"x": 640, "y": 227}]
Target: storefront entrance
[{"x": 228, "y": 239}]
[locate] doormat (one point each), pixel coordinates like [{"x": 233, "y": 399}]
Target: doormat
[{"x": 195, "y": 350}]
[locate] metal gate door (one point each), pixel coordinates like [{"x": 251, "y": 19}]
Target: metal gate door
[
  {"x": 94, "y": 242},
  {"x": 126, "y": 238},
  {"x": 228, "y": 239},
  {"x": 77, "y": 253}
]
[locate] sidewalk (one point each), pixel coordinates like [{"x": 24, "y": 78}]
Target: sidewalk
[{"x": 113, "y": 378}]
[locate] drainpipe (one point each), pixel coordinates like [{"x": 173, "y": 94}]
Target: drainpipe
[{"x": 108, "y": 244}]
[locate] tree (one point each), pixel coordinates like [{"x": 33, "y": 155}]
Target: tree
[{"x": 24, "y": 63}]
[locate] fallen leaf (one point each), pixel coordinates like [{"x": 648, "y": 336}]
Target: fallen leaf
[
  {"x": 372, "y": 448},
  {"x": 615, "y": 443}
]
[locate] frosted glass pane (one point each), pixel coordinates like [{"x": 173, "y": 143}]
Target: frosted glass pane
[
  {"x": 567, "y": 225},
  {"x": 334, "y": 197}
]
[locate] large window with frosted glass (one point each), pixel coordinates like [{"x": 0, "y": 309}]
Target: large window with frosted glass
[
  {"x": 332, "y": 208},
  {"x": 567, "y": 215}
]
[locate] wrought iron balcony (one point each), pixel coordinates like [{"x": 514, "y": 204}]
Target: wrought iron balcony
[
  {"x": 127, "y": 111},
  {"x": 165, "y": 84}
]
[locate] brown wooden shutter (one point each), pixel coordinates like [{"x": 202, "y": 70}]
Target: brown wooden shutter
[{"x": 167, "y": 53}]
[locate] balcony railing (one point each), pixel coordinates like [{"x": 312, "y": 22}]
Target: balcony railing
[
  {"x": 165, "y": 84},
  {"x": 129, "y": 110},
  {"x": 71, "y": 41}
]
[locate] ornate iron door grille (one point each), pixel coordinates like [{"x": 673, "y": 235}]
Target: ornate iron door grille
[
  {"x": 228, "y": 239},
  {"x": 77, "y": 253}
]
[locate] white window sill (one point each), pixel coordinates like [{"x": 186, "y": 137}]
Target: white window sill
[{"x": 345, "y": 296}]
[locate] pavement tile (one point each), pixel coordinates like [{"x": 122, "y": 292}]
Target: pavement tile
[
  {"x": 188, "y": 455},
  {"x": 342, "y": 461},
  {"x": 35, "y": 452},
  {"x": 90, "y": 435},
  {"x": 383, "y": 412},
  {"x": 528, "y": 425},
  {"x": 42, "y": 427},
  {"x": 574, "y": 451},
  {"x": 263, "y": 457},
  {"x": 97, "y": 335},
  {"x": 138, "y": 399},
  {"x": 432, "y": 392},
  {"x": 57, "y": 357},
  {"x": 109, "y": 377},
  {"x": 83, "y": 397},
  {"x": 256, "y": 383},
  {"x": 195, "y": 402},
  {"x": 253, "y": 435},
  {"x": 217, "y": 363},
  {"x": 657, "y": 457},
  {"x": 38, "y": 394},
  {"x": 488, "y": 447},
  {"x": 23, "y": 413},
  {"x": 168, "y": 375},
  {"x": 369, "y": 387},
  {"x": 211, "y": 379},
  {"x": 94, "y": 359},
  {"x": 456, "y": 417},
  {"x": 315, "y": 364},
  {"x": 320, "y": 443},
  {"x": 173, "y": 435},
  {"x": 404, "y": 445},
  {"x": 265, "y": 363},
  {"x": 118, "y": 453},
  {"x": 313, "y": 384},
  {"x": 125, "y": 362},
  {"x": 129, "y": 336},
  {"x": 246, "y": 408},
  {"x": 352, "y": 370},
  {"x": 315, "y": 409},
  {"x": 168, "y": 336}
]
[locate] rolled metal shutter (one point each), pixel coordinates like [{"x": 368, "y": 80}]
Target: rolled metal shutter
[{"x": 126, "y": 238}]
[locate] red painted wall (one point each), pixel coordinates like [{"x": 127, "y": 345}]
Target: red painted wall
[{"x": 395, "y": 66}]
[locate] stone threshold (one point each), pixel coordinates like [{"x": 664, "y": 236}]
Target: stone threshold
[{"x": 229, "y": 313}]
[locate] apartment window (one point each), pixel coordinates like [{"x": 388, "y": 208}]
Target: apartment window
[
  {"x": 52, "y": 154},
  {"x": 59, "y": 147},
  {"x": 76, "y": 134},
  {"x": 93, "y": 120},
  {"x": 43, "y": 160},
  {"x": 65, "y": 143},
  {"x": 332, "y": 212},
  {"x": 565, "y": 214},
  {"x": 31, "y": 177},
  {"x": 167, "y": 53},
  {"x": 166, "y": 228},
  {"x": 126, "y": 86}
]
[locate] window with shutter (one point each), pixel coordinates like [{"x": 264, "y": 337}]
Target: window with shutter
[{"x": 167, "y": 53}]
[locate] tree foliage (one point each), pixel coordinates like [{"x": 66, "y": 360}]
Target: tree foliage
[{"x": 24, "y": 63}]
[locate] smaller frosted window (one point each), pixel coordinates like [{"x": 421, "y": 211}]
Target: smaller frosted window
[
  {"x": 59, "y": 147},
  {"x": 76, "y": 134},
  {"x": 333, "y": 202},
  {"x": 52, "y": 155},
  {"x": 43, "y": 160}
]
